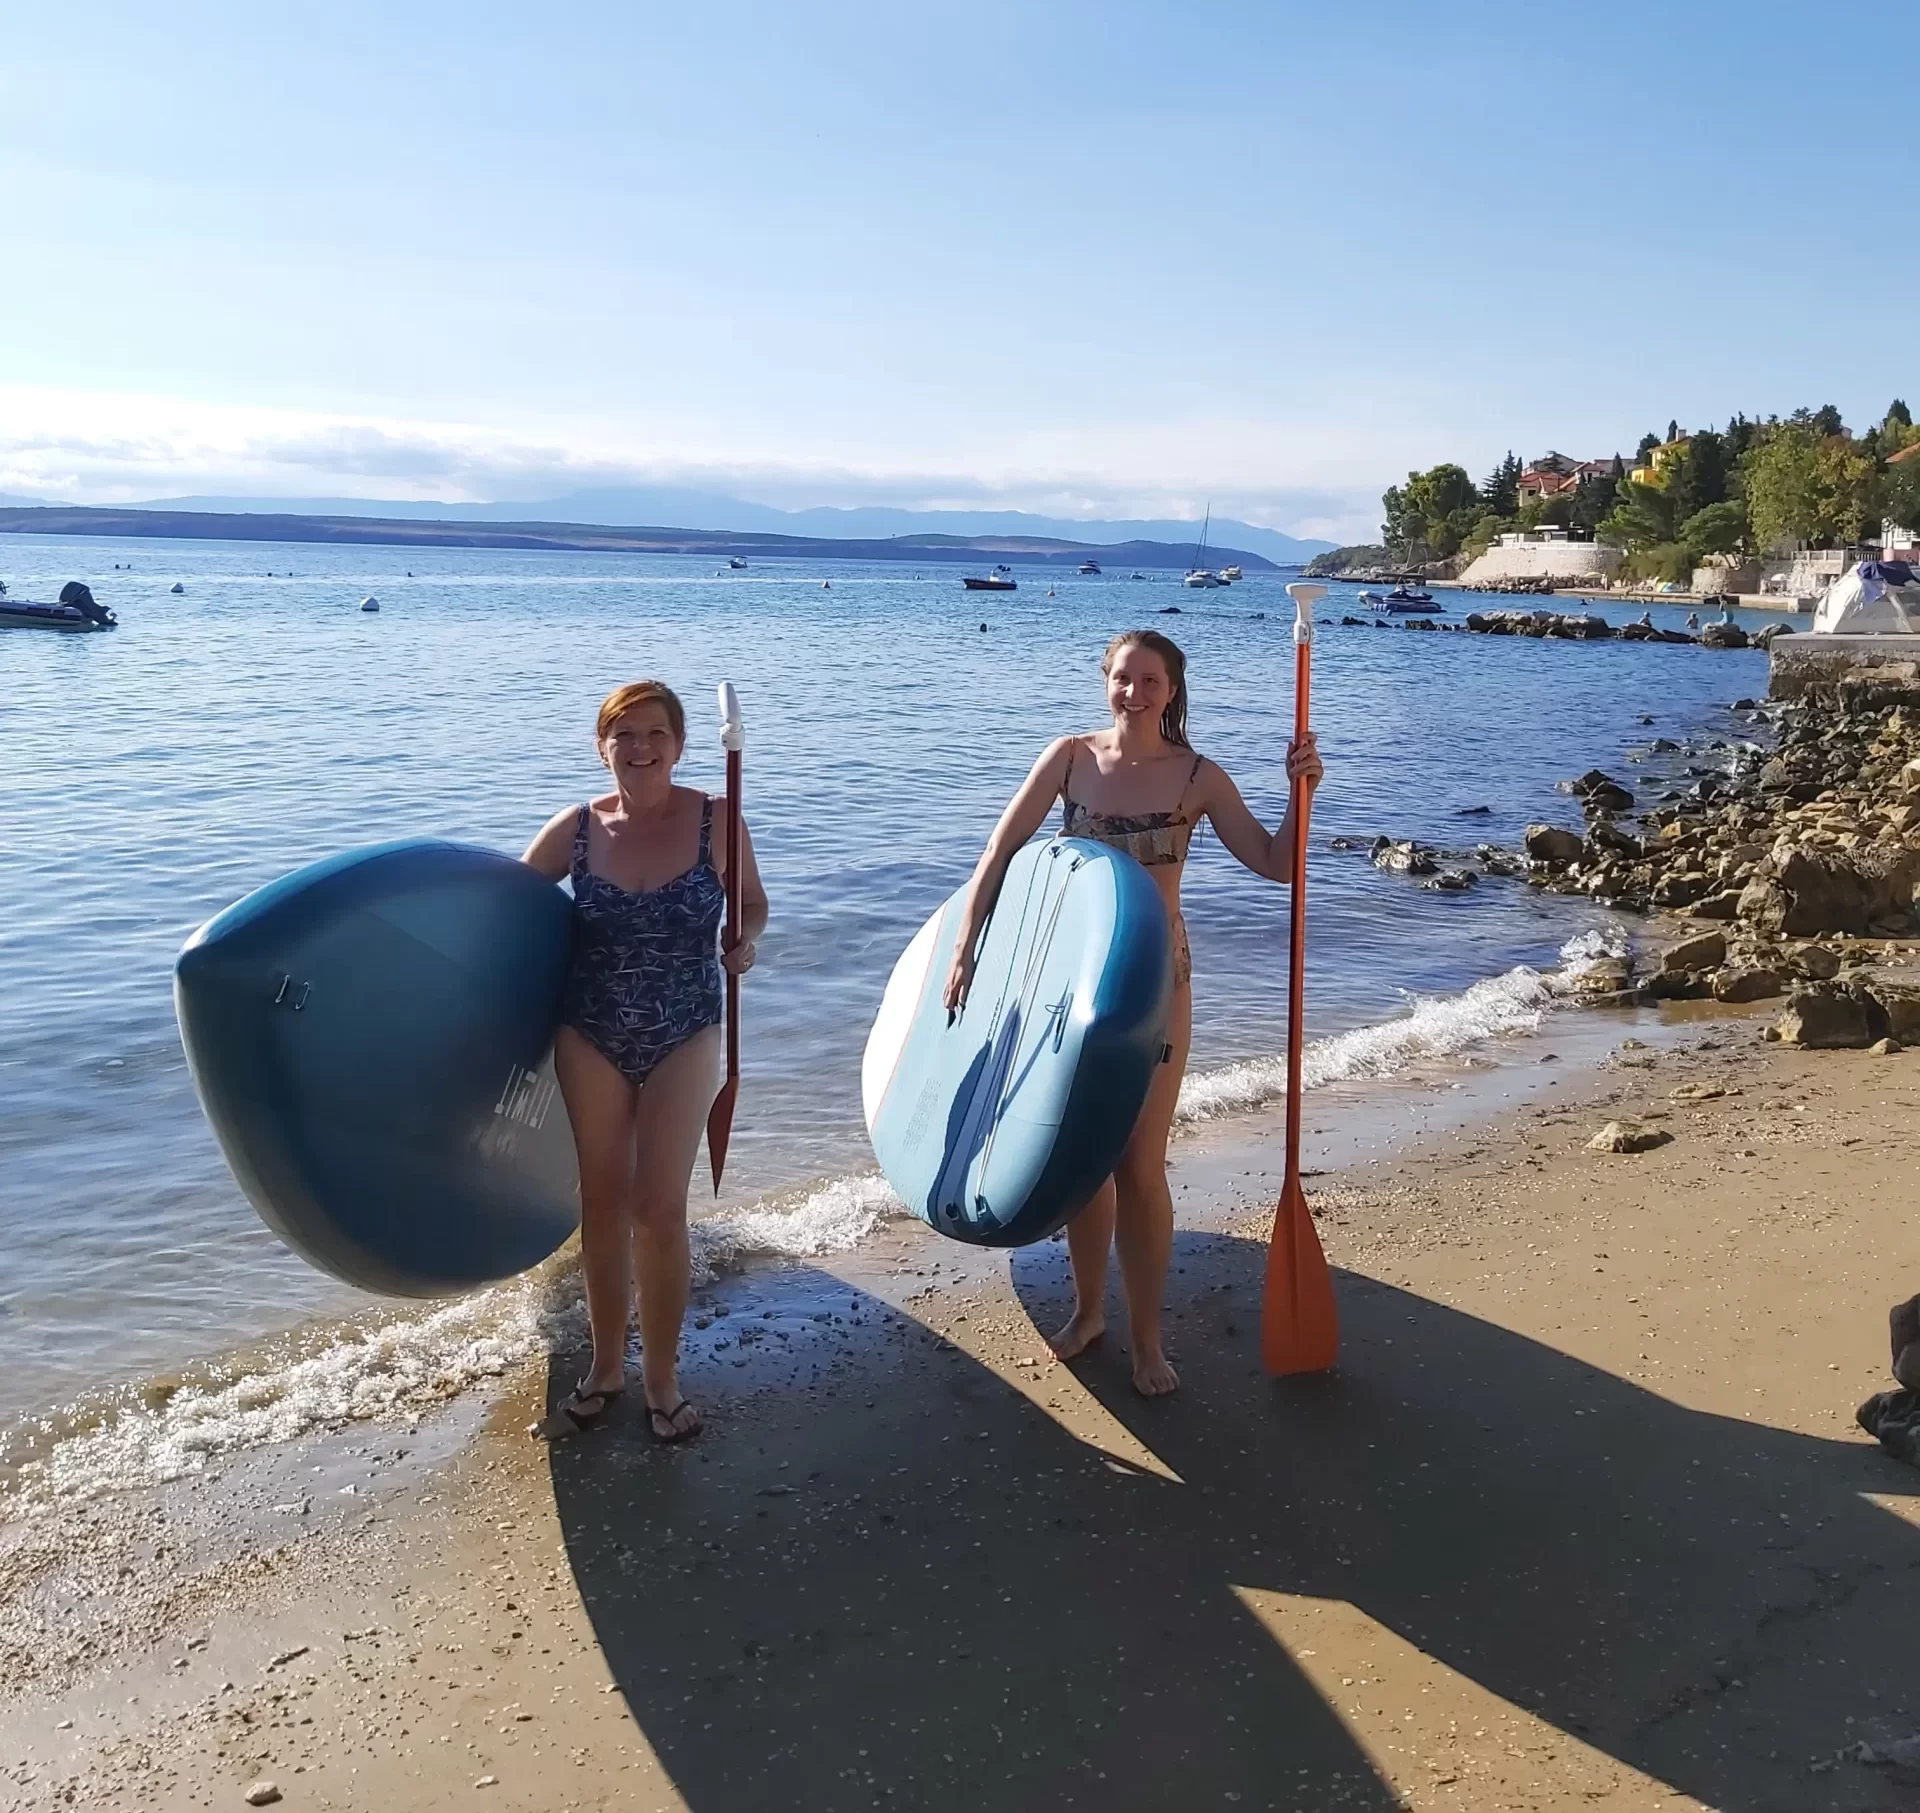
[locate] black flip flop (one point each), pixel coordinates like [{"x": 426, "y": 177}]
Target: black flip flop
[
  {"x": 583, "y": 1420},
  {"x": 656, "y": 1416}
]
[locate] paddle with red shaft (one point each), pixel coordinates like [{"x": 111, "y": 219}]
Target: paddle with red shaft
[
  {"x": 733, "y": 739},
  {"x": 1299, "y": 1323}
]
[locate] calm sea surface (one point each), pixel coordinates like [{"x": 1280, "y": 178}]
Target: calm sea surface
[{"x": 260, "y": 720}]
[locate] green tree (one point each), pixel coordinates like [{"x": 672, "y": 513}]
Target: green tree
[
  {"x": 1718, "y": 529},
  {"x": 1594, "y": 500},
  {"x": 1431, "y": 514},
  {"x": 1673, "y": 430},
  {"x": 1826, "y": 420},
  {"x": 1901, "y": 495},
  {"x": 1802, "y": 485},
  {"x": 1897, "y": 411},
  {"x": 1500, "y": 489}
]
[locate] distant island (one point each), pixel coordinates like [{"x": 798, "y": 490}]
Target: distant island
[{"x": 200, "y": 525}]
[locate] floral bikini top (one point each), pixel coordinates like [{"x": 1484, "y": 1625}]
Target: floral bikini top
[{"x": 1152, "y": 839}]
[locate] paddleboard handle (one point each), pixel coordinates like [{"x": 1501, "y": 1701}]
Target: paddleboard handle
[
  {"x": 733, "y": 733},
  {"x": 1305, "y": 596}
]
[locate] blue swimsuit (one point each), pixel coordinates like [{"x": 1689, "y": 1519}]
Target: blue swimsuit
[{"x": 645, "y": 972}]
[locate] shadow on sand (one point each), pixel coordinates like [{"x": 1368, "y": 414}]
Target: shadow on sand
[{"x": 898, "y": 1582}]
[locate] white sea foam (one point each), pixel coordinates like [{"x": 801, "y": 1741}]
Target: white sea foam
[
  {"x": 399, "y": 1367},
  {"x": 834, "y": 1219},
  {"x": 396, "y": 1368},
  {"x": 1435, "y": 1026}
]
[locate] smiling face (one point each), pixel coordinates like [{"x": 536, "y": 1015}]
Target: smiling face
[
  {"x": 640, "y": 748},
  {"x": 1138, "y": 686}
]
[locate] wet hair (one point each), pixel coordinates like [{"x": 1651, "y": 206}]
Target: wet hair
[
  {"x": 1173, "y": 720},
  {"x": 623, "y": 699}
]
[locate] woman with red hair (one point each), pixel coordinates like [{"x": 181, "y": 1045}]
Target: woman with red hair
[{"x": 638, "y": 1051}]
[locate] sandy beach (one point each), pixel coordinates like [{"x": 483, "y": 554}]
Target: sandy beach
[{"x": 1582, "y": 1518}]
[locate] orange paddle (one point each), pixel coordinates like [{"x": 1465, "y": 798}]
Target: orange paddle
[
  {"x": 1299, "y": 1322},
  {"x": 733, "y": 738}
]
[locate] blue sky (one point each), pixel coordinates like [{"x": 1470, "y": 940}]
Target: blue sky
[{"x": 1114, "y": 258}]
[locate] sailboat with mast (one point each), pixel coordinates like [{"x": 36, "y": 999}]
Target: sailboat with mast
[{"x": 1198, "y": 576}]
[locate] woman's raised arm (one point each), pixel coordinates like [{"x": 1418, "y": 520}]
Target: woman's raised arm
[
  {"x": 1026, "y": 812},
  {"x": 1266, "y": 853}
]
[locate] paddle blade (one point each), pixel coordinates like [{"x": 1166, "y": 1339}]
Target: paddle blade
[
  {"x": 1300, "y": 1324},
  {"x": 720, "y": 1127}
]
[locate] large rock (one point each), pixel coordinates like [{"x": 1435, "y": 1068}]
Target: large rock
[
  {"x": 1748, "y": 982},
  {"x": 1825, "y": 1016},
  {"x": 1552, "y": 846},
  {"x": 1723, "y": 635},
  {"x": 1801, "y": 892},
  {"x": 1682, "y": 889},
  {"x": 1409, "y": 858},
  {"x": 1899, "y": 1005},
  {"x": 1600, "y": 792},
  {"x": 1628, "y": 1136},
  {"x": 1704, "y": 950}
]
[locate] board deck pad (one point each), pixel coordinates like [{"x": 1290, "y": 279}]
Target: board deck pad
[
  {"x": 371, "y": 1041},
  {"x": 995, "y": 1125}
]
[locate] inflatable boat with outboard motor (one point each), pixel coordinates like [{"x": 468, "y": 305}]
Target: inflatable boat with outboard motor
[{"x": 76, "y": 611}]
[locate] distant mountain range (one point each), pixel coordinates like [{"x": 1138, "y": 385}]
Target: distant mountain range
[
  {"x": 654, "y": 506},
  {"x": 431, "y": 532}
]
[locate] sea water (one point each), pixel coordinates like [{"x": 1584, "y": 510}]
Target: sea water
[{"x": 260, "y": 719}]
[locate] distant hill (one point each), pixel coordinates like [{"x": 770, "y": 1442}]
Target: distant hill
[
  {"x": 976, "y": 550},
  {"x": 637, "y": 506}
]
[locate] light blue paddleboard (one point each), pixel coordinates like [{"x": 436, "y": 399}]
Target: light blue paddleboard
[
  {"x": 371, "y": 1039},
  {"x": 996, "y": 1127}
]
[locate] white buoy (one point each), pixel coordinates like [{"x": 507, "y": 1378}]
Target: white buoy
[{"x": 369, "y": 604}]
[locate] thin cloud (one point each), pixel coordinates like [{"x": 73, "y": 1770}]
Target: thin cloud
[{"x": 108, "y": 451}]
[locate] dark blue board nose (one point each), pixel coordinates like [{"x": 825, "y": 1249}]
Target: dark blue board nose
[{"x": 370, "y": 1037}]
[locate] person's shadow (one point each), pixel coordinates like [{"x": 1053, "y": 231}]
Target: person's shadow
[{"x": 901, "y": 1583}]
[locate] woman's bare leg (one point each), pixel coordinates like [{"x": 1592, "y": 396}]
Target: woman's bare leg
[
  {"x": 669, "y": 1118},
  {"x": 1089, "y": 1238},
  {"x": 600, "y": 1104},
  {"x": 1143, "y": 1208}
]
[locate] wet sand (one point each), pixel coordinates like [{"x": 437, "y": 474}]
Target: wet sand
[{"x": 1582, "y": 1519}]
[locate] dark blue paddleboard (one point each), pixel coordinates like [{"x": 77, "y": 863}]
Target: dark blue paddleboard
[{"x": 371, "y": 1041}]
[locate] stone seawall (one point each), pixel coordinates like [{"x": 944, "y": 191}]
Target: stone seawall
[{"x": 1556, "y": 560}]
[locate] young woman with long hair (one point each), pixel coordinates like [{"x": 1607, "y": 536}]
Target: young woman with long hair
[{"x": 1139, "y": 786}]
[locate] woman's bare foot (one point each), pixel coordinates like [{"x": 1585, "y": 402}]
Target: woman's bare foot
[
  {"x": 1077, "y": 1334},
  {"x": 1152, "y": 1376}
]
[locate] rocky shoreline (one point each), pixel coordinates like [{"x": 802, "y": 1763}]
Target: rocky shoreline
[{"x": 1786, "y": 865}]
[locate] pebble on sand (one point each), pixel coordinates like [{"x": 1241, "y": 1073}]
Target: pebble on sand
[{"x": 262, "y": 1794}]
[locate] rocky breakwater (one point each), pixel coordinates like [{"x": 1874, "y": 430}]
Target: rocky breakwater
[
  {"x": 1584, "y": 626},
  {"x": 1796, "y": 874}
]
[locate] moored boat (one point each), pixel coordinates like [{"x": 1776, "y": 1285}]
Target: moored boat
[
  {"x": 1229, "y": 574},
  {"x": 1201, "y": 579},
  {"x": 736, "y": 564},
  {"x": 1401, "y": 601},
  {"x": 1001, "y": 579},
  {"x": 1088, "y": 566}
]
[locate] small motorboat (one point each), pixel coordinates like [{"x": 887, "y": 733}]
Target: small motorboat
[
  {"x": 76, "y": 613},
  {"x": 1402, "y": 600},
  {"x": 1200, "y": 579},
  {"x": 1001, "y": 579},
  {"x": 1229, "y": 574},
  {"x": 1088, "y": 566},
  {"x": 735, "y": 564}
]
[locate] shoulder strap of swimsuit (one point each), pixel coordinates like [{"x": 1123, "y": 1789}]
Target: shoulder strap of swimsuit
[
  {"x": 580, "y": 840},
  {"x": 1193, "y": 773},
  {"x": 706, "y": 829}
]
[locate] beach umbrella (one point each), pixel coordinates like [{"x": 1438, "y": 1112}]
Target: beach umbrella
[
  {"x": 1299, "y": 1323},
  {"x": 733, "y": 739}
]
